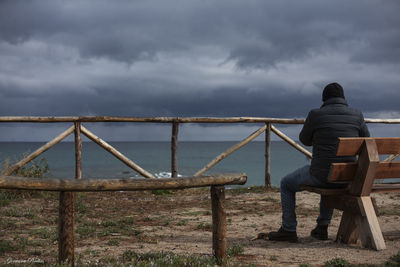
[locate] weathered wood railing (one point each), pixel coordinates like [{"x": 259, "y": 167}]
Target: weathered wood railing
[
  {"x": 66, "y": 226},
  {"x": 68, "y": 187},
  {"x": 78, "y": 129}
]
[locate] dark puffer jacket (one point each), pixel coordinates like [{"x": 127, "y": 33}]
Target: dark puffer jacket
[{"x": 322, "y": 128}]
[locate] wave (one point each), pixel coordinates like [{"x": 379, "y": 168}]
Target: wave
[{"x": 160, "y": 175}]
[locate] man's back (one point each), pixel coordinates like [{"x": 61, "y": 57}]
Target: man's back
[{"x": 323, "y": 127}]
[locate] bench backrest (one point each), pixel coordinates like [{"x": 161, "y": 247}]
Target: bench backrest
[
  {"x": 350, "y": 146},
  {"x": 368, "y": 167}
]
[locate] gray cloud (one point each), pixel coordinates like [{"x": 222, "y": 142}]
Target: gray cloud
[
  {"x": 255, "y": 33},
  {"x": 196, "y": 58}
]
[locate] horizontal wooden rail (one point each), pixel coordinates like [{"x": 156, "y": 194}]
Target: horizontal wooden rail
[
  {"x": 133, "y": 184},
  {"x": 172, "y": 119}
]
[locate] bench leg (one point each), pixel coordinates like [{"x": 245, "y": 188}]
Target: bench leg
[
  {"x": 368, "y": 225},
  {"x": 347, "y": 232},
  {"x": 219, "y": 222}
]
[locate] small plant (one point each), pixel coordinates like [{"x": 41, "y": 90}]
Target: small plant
[
  {"x": 208, "y": 212},
  {"x": 113, "y": 242},
  {"x": 129, "y": 255},
  {"x": 166, "y": 259},
  {"x": 181, "y": 223},
  {"x": 47, "y": 233},
  {"x": 204, "y": 226},
  {"x": 147, "y": 219},
  {"x": 5, "y": 246},
  {"x": 80, "y": 206},
  {"x": 273, "y": 258},
  {"x": 126, "y": 221},
  {"x": 162, "y": 192},
  {"x": 337, "y": 262},
  {"x": 393, "y": 261},
  {"x": 251, "y": 189},
  {"x": 235, "y": 250},
  {"x": 108, "y": 224},
  {"x": 37, "y": 169},
  {"x": 20, "y": 242},
  {"x": 7, "y": 224},
  {"x": 5, "y": 198},
  {"x": 391, "y": 211},
  {"x": 304, "y": 265},
  {"x": 85, "y": 231}
]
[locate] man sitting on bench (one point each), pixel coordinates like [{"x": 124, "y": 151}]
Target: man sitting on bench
[{"x": 321, "y": 129}]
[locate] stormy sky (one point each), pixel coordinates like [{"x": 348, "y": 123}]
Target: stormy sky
[{"x": 194, "y": 58}]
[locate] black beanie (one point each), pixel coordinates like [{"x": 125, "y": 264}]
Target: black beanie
[{"x": 332, "y": 90}]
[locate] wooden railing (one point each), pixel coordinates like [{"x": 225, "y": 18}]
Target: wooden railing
[
  {"x": 66, "y": 188},
  {"x": 79, "y": 129}
]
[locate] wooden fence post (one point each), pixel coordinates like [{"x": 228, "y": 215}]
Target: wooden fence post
[
  {"x": 78, "y": 151},
  {"x": 174, "y": 149},
  {"x": 268, "y": 156},
  {"x": 219, "y": 222},
  {"x": 66, "y": 218},
  {"x": 66, "y": 228}
]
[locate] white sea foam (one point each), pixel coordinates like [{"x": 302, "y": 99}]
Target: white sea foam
[
  {"x": 165, "y": 175},
  {"x": 159, "y": 175}
]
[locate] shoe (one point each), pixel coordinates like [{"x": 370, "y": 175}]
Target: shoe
[
  {"x": 320, "y": 232},
  {"x": 283, "y": 235}
]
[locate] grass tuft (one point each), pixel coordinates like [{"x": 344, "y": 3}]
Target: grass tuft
[
  {"x": 393, "y": 261},
  {"x": 235, "y": 250},
  {"x": 35, "y": 169},
  {"x": 167, "y": 259},
  {"x": 337, "y": 262},
  {"x": 162, "y": 192},
  {"x": 5, "y": 246},
  {"x": 204, "y": 226}
]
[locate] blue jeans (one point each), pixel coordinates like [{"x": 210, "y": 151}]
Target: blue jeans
[{"x": 291, "y": 184}]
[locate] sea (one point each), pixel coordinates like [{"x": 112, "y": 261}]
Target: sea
[{"x": 155, "y": 157}]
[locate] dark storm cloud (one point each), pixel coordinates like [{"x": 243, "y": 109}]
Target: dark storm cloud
[
  {"x": 255, "y": 33},
  {"x": 196, "y": 58},
  {"x": 223, "y": 102}
]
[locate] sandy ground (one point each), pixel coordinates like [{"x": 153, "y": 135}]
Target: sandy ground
[
  {"x": 243, "y": 227},
  {"x": 181, "y": 222}
]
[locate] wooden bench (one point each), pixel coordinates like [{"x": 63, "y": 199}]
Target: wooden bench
[
  {"x": 216, "y": 183},
  {"x": 359, "y": 217}
]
